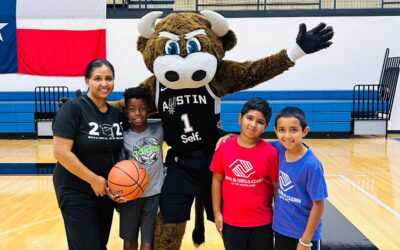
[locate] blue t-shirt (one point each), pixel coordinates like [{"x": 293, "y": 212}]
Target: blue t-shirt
[{"x": 300, "y": 183}]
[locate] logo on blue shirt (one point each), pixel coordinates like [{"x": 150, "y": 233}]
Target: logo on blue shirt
[{"x": 285, "y": 183}]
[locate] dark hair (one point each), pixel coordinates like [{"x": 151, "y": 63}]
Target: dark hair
[
  {"x": 258, "y": 104},
  {"x": 292, "y": 111},
  {"x": 97, "y": 63},
  {"x": 137, "y": 93}
]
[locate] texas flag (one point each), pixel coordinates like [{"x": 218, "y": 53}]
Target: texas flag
[{"x": 51, "y": 37}]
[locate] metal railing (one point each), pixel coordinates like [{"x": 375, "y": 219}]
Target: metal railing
[
  {"x": 375, "y": 101},
  {"x": 251, "y": 5},
  {"x": 367, "y": 103},
  {"x": 46, "y": 101}
]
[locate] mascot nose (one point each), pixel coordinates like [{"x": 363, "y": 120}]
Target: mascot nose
[
  {"x": 171, "y": 76},
  {"x": 199, "y": 75}
]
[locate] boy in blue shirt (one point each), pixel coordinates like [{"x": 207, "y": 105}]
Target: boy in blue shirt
[{"x": 302, "y": 188}]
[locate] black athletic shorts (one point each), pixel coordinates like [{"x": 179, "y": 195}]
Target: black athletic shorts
[
  {"x": 188, "y": 176},
  {"x": 138, "y": 215},
  {"x": 247, "y": 238}
]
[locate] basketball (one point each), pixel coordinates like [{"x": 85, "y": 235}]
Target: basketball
[{"x": 128, "y": 179}]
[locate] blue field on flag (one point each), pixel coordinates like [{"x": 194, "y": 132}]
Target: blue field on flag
[{"x": 8, "y": 44}]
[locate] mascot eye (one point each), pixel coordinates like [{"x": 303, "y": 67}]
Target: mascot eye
[
  {"x": 172, "y": 48},
  {"x": 193, "y": 45}
]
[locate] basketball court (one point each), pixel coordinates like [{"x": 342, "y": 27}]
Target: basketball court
[{"x": 362, "y": 176}]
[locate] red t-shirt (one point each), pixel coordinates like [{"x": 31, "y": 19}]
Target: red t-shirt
[{"x": 247, "y": 189}]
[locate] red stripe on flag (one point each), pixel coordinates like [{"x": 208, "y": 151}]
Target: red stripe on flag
[{"x": 58, "y": 52}]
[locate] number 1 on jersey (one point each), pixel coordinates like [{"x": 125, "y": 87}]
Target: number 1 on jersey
[{"x": 186, "y": 123}]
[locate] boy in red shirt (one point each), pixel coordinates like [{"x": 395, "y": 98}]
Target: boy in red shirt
[{"x": 245, "y": 175}]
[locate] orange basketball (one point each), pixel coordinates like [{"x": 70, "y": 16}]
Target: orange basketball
[{"x": 128, "y": 179}]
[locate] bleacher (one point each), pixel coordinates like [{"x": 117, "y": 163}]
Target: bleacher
[
  {"x": 328, "y": 112},
  {"x": 17, "y": 114},
  {"x": 373, "y": 103}
]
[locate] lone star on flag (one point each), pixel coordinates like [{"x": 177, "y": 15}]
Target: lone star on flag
[{"x": 2, "y": 25}]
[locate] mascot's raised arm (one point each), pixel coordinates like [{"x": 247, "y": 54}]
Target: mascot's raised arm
[{"x": 185, "y": 53}]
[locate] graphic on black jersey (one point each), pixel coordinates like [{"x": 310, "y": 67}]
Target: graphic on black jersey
[
  {"x": 146, "y": 151},
  {"x": 183, "y": 100},
  {"x": 190, "y": 116},
  {"x": 105, "y": 131},
  {"x": 171, "y": 105}
]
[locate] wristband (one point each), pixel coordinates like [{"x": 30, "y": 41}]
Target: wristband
[
  {"x": 305, "y": 244},
  {"x": 295, "y": 53}
]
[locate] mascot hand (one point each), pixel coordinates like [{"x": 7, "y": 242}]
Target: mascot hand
[{"x": 315, "y": 39}]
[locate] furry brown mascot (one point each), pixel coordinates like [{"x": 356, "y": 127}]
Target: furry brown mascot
[{"x": 185, "y": 53}]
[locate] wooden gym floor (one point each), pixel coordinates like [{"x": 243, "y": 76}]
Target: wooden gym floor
[{"x": 363, "y": 176}]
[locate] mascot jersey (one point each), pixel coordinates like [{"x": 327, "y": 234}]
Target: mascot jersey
[{"x": 190, "y": 116}]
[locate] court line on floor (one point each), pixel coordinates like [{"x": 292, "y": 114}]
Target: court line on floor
[
  {"x": 372, "y": 197},
  {"x": 29, "y": 225}
]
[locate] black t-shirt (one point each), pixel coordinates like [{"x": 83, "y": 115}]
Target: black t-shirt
[
  {"x": 97, "y": 136},
  {"x": 189, "y": 117}
]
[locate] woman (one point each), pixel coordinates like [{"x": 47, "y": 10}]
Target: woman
[{"x": 86, "y": 143}]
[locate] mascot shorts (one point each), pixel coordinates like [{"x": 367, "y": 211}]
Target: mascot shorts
[{"x": 187, "y": 177}]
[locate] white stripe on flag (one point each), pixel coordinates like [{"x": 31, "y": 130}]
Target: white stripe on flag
[
  {"x": 62, "y": 24},
  {"x": 61, "y": 14}
]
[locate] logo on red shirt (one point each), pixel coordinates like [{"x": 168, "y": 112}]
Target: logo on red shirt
[{"x": 242, "y": 168}]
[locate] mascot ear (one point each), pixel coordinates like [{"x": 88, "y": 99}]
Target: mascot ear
[
  {"x": 229, "y": 40},
  {"x": 141, "y": 43}
]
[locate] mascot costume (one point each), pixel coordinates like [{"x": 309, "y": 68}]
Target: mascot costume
[{"x": 185, "y": 52}]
